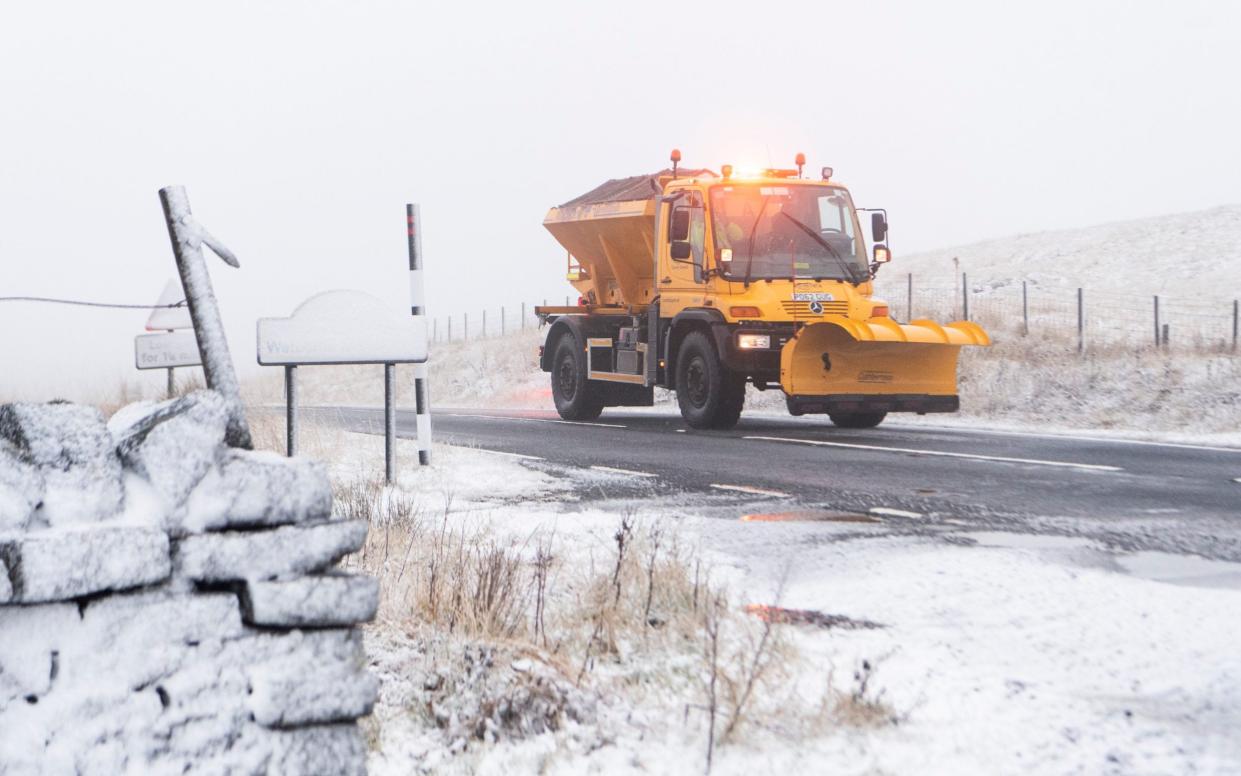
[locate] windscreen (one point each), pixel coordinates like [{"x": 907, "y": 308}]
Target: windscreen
[{"x": 786, "y": 231}]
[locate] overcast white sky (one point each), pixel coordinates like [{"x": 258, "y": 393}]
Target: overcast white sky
[{"x": 300, "y": 129}]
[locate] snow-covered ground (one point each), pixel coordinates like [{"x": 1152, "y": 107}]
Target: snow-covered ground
[
  {"x": 996, "y": 653},
  {"x": 1178, "y": 254}
]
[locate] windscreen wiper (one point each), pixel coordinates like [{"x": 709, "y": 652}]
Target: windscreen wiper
[
  {"x": 853, "y": 278},
  {"x": 749, "y": 254}
]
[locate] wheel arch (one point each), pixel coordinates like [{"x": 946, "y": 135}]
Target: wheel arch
[
  {"x": 682, "y": 324},
  {"x": 581, "y": 328}
]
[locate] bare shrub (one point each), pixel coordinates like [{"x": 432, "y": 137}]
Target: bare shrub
[
  {"x": 862, "y": 705},
  {"x": 644, "y": 616}
]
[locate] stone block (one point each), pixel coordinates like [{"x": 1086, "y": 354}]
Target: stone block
[
  {"x": 290, "y": 693},
  {"x": 335, "y": 749},
  {"x": 173, "y": 444},
  {"x": 315, "y": 601},
  {"x": 59, "y": 564},
  {"x": 186, "y": 618},
  {"x": 279, "y": 553},
  {"x": 31, "y": 640},
  {"x": 70, "y": 446},
  {"x": 141, "y": 638},
  {"x": 21, "y": 490},
  {"x": 260, "y": 489}
]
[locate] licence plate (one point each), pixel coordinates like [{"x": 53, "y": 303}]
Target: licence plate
[{"x": 812, "y": 297}]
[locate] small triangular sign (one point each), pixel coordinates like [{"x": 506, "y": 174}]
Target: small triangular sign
[{"x": 164, "y": 318}]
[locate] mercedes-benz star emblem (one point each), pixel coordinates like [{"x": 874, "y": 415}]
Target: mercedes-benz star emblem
[{"x": 816, "y": 308}]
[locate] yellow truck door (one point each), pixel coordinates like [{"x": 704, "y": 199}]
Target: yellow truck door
[{"x": 683, "y": 254}]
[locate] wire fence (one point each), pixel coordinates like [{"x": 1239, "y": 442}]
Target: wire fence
[
  {"x": 1087, "y": 318},
  {"x": 1006, "y": 308},
  {"x": 487, "y": 322}
]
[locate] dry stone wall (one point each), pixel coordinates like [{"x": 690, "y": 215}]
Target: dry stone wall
[{"x": 168, "y": 603}]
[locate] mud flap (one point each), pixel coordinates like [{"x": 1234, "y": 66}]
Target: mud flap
[{"x": 878, "y": 357}]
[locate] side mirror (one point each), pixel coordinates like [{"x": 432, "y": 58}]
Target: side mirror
[
  {"x": 879, "y": 226},
  {"x": 678, "y": 228},
  {"x": 681, "y": 250},
  {"x": 882, "y": 255}
]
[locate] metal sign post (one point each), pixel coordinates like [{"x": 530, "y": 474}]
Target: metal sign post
[
  {"x": 417, "y": 308},
  {"x": 343, "y": 327},
  {"x": 290, "y": 413},
  {"x": 390, "y": 422}
]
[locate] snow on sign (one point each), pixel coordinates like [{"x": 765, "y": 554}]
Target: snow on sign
[
  {"x": 165, "y": 318},
  {"x": 342, "y": 327},
  {"x": 167, "y": 350}
]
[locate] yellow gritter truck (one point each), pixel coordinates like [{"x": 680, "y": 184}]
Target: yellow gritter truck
[{"x": 702, "y": 282}]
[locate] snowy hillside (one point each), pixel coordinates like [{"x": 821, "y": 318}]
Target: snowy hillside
[{"x": 1148, "y": 256}]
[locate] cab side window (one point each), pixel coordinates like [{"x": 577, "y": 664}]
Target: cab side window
[{"x": 688, "y": 224}]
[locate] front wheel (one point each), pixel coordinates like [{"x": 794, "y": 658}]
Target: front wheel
[
  {"x": 575, "y": 397},
  {"x": 710, "y": 396},
  {"x": 857, "y": 419}
]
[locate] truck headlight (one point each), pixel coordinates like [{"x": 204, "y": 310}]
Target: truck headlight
[{"x": 754, "y": 341}]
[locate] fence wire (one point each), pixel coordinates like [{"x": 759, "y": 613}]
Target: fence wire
[
  {"x": 1106, "y": 317},
  {"x": 1003, "y": 307}
]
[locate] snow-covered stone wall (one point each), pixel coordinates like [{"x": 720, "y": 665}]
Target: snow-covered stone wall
[{"x": 168, "y": 603}]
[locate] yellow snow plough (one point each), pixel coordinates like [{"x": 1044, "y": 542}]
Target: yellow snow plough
[{"x": 702, "y": 282}]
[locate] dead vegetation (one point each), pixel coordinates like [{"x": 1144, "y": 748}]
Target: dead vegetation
[{"x": 520, "y": 635}]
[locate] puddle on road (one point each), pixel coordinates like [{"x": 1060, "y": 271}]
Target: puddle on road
[
  {"x": 1019, "y": 541},
  {"x": 808, "y": 516},
  {"x": 1187, "y": 570}
]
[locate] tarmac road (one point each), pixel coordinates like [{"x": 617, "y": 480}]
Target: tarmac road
[{"x": 1184, "y": 498}]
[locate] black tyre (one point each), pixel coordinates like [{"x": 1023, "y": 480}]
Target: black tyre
[
  {"x": 858, "y": 419},
  {"x": 575, "y": 397},
  {"x": 709, "y": 394}
]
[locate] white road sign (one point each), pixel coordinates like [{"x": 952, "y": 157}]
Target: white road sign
[
  {"x": 168, "y": 318},
  {"x": 342, "y": 327},
  {"x": 164, "y": 351}
]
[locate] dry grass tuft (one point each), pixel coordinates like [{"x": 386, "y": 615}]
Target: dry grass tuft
[{"x": 646, "y": 621}]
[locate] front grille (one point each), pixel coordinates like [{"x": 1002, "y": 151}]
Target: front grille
[{"x": 801, "y": 310}]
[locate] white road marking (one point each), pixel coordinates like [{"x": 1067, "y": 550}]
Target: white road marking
[
  {"x": 751, "y": 490},
  {"x": 889, "y": 512},
  {"x": 510, "y": 455},
  {"x": 1236, "y": 480},
  {"x": 630, "y": 472},
  {"x": 941, "y": 453},
  {"x": 532, "y": 420},
  {"x": 1073, "y": 437},
  {"x": 680, "y": 431}
]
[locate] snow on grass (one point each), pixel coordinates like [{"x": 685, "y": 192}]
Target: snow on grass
[
  {"x": 996, "y": 653},
  {"x": 1157, "y": 255}
]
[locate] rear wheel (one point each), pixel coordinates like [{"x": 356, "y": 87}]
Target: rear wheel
[
  {"x": 710, "y": 396},
  {"x": 858, "y": 419},
  {"x": 575, "y": 397}
]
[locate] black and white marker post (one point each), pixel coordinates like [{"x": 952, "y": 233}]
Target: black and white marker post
[{"x": 417, "y": 301}]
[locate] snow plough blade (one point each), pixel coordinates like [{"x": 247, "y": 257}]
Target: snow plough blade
[{"x": 843, "y": 365}]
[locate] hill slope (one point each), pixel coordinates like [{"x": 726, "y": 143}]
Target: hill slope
[{"x": 1145, "y": 256}]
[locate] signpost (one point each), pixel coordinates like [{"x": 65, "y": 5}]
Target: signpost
[
  {"x": 168, "y": 351},
  {"x": 344, "y": 327},
  {"x": 188, "y": 239}
]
